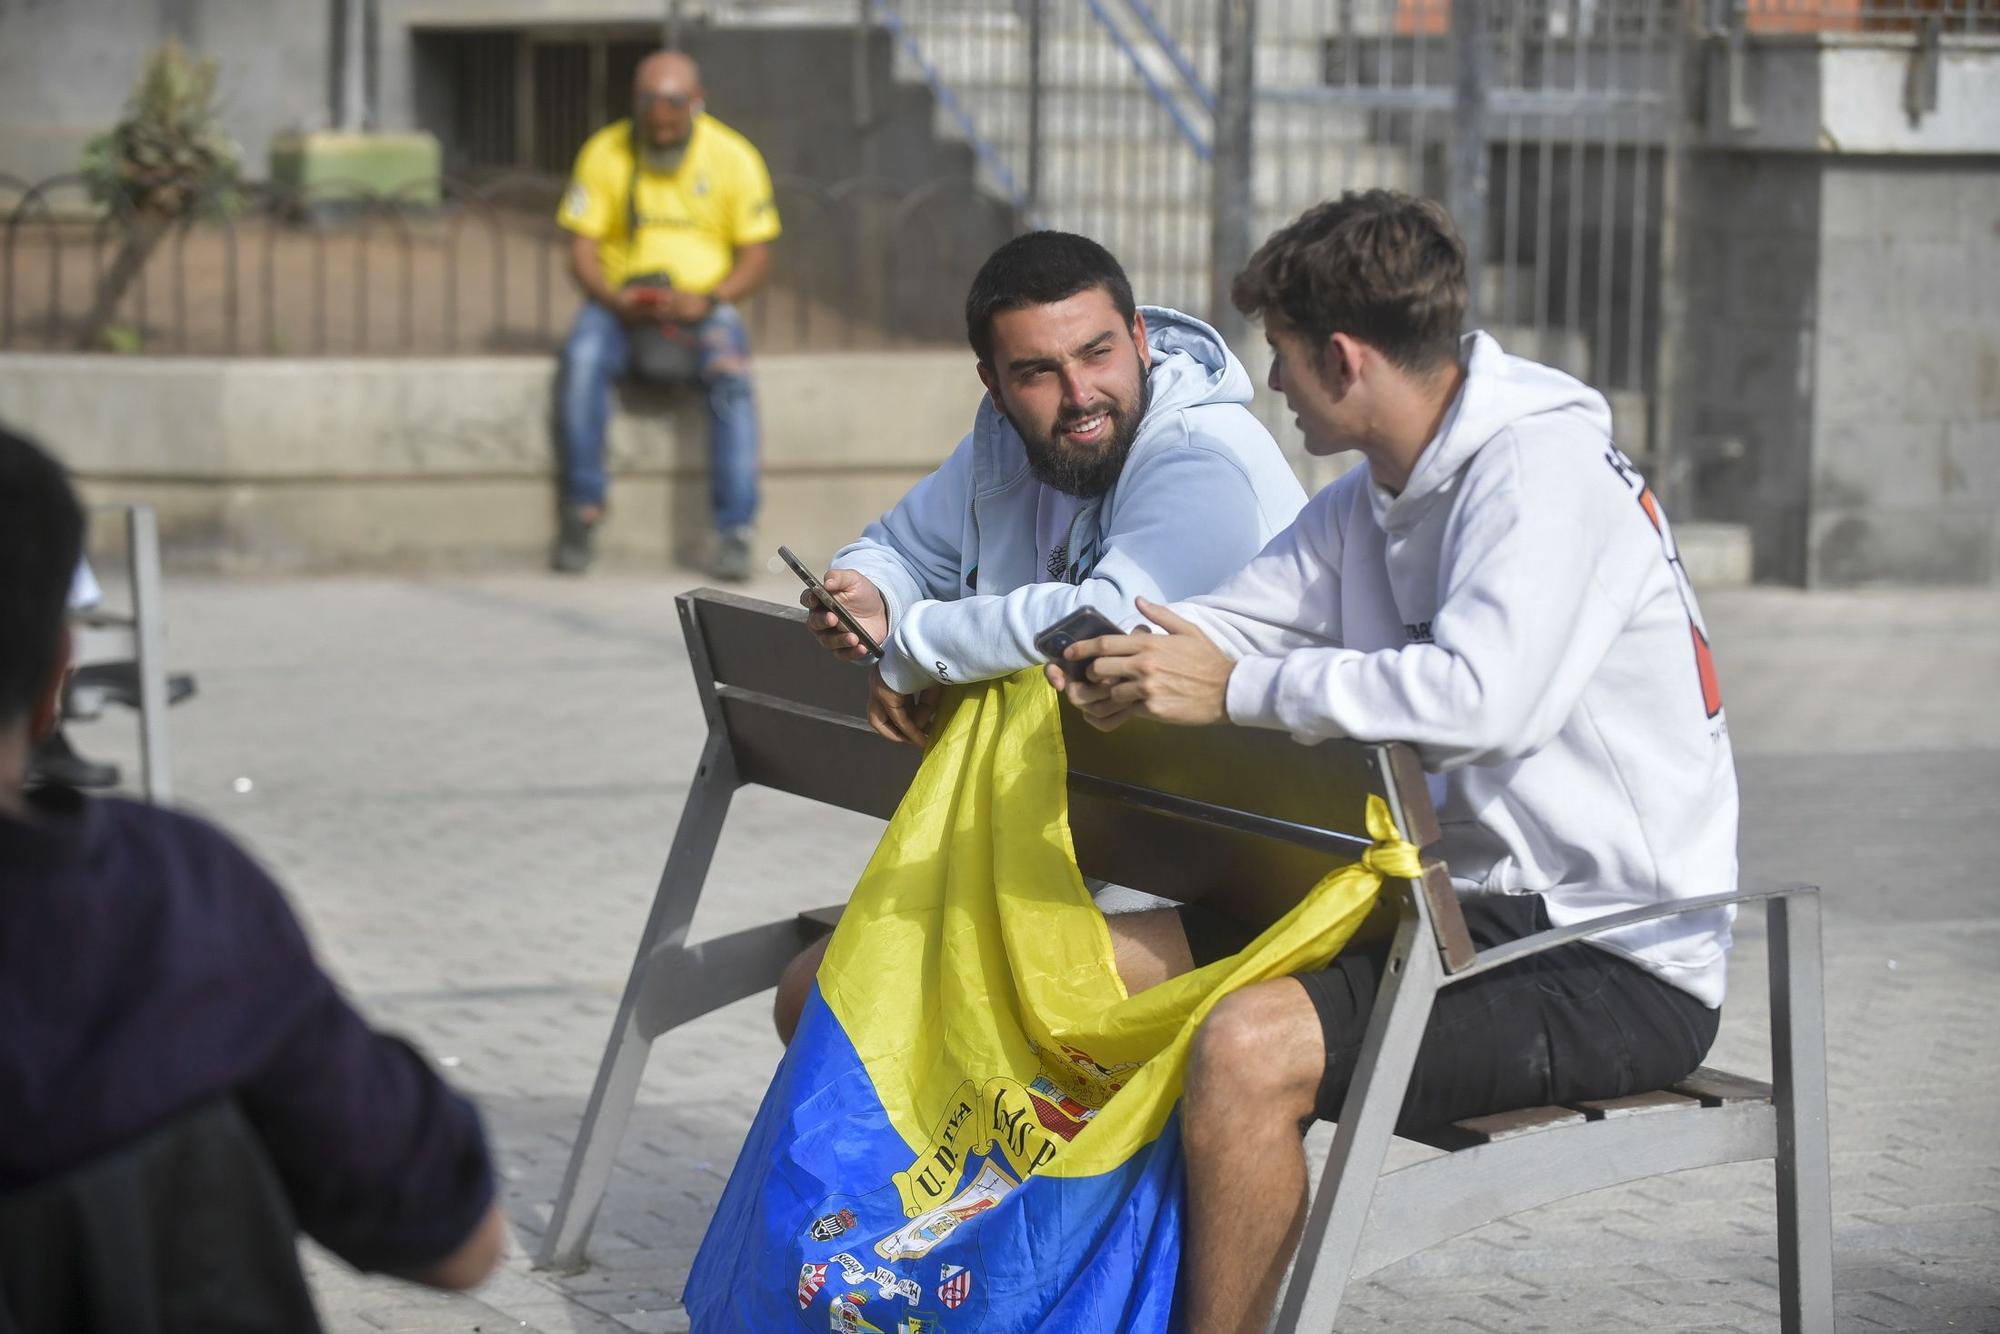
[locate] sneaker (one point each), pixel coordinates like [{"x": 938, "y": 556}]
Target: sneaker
[
  {"x": 56, "y": 761},
  {"x": 576, "y": 542},
  {"x": 91, "y": 688},
  {"x": 732, "y": 557}
]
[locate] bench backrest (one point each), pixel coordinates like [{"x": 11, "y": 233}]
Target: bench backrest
[{"x": 1241, "y": 819}]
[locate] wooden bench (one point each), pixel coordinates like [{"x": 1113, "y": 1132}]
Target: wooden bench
[{"x": 1189, "y": 813}]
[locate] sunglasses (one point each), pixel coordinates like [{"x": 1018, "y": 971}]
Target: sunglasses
[{"x": 678, "y": 101}]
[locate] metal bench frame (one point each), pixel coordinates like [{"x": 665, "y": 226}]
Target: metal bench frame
[
  {"x": 138, "y": 638},
  {"x": 1183, "y": 813}
]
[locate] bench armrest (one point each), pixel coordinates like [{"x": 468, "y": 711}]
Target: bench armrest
[{"x": 1542, "y": 941}]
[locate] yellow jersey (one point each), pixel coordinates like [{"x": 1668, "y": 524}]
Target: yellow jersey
[{"x": 691, "y": 221}]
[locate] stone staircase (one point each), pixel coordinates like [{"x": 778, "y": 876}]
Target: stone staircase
[
  {"x": 1117, "y": 163},
  {"x": 1123, "y": 157}
]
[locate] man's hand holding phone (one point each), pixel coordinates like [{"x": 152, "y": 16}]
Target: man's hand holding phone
[
  {"x": 680, "y": 307},
  {"x": 662, "y": 305},
  {"x": 864, "y": 603},
  {"x": 1083, "y": 631},
  {"x": 1176, "y": 677},
  {"x": 638, "y": 305}
]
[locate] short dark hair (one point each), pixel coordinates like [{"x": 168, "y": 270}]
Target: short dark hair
[
  {"x": 1040, "y": 269},
  {"x": 1381, "y": 266},
  {"x": 41, "y": 541}
]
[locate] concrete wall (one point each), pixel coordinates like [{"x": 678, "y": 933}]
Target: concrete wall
[
  {"x": 266, "y": 464},
  {"x": 66, "y": 70},
  {"x": 1906, "y": 465},
  {"x": 1840, "y": 386},
  {"x": 272, "y": 464},
  {"x": 1848, "y": 95},
  {"x": 1743, "y": 440}
]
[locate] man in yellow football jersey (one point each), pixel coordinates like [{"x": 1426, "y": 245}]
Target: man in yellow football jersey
[{"x": 673, "y": 218}]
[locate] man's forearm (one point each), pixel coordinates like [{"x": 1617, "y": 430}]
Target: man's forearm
[
  {"x": 588, "y": 272},
  {"x": 472, "y": 1261},
  {"x": 753, "y": 265}
]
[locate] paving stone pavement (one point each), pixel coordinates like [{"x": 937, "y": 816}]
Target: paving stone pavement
[{"x": 468, "y": 785}]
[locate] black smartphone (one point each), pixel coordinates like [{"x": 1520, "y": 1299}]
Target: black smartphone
[
  {"x": 831, "y": 603},
  {"x": 1081, "y": 624}
]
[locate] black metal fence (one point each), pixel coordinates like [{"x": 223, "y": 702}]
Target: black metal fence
[
  {"x": 1145, "y": 123},
  {"x": 483, "y": 269}
]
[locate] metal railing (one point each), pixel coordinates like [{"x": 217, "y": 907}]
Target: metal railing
[
  {"x": 863, "y": 263},
  {"x": 1551, "y": 136}
]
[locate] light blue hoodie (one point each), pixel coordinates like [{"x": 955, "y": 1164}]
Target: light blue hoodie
[{"x": 1201, "y": 492}]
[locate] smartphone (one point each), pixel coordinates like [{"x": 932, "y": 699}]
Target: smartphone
[
  {"x": 831, "y": 603},
  {"x": 1081, "y": 624}
]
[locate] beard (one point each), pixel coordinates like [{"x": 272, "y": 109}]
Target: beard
[
  {"x": 1086, "y": 471},
  {"x": 666, "y": 158}
]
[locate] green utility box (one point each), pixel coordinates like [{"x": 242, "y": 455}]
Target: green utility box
[{"x": 329, "y": 173}]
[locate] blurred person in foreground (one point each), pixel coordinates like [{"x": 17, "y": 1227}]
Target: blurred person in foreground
[
  {"x": 149, "y": 967},
  {"x": 672, "y": 220},
  {"x": 1499, "y": 588}
]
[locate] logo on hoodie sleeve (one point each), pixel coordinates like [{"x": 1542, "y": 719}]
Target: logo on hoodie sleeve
[{"x": 1704, "y": 658}]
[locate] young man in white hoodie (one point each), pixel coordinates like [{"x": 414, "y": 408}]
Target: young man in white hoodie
[
  {"x": 1113, "y": 458},
  {"x": 1498, "y": 588}
]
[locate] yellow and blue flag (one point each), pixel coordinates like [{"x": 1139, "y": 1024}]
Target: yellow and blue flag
[{"x": 974, "y": 1126}]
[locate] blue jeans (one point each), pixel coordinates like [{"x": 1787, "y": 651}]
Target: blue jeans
[{"x": 597, "y": 353}]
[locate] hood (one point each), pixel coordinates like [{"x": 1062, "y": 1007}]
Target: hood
[
  {"x": 1191, "y": 363},
  {"x": 1499, "y": 390}
]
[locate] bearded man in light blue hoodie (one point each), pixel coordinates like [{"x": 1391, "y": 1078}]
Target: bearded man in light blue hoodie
[{"x": 1113, "y": 458}]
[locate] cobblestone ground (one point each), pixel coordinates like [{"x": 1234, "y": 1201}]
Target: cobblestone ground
[{"x": 468, "y": 785}]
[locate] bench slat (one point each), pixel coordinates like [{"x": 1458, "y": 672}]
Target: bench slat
[
  {"x": 1246, "y": 769},
  {"x": 1476, "y": 1130},
  {"x": 1720, "y": 1088},
  {"x": 1637, "y": 1104},
  {"x": 764, "y": 647},
  {"x": 822, "y": 920},
  {"x": 1454, "y": 942},
  {"x": 1415, "y": 791},
  {"x": 813, "y": 754}
]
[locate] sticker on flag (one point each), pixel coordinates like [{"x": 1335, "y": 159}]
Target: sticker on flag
[
  {"x": 811, "y": 1279},
  {"x": 954, "y": 1286}
]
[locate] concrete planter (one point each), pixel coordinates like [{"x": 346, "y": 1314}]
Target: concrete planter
[{"x": 267, "y": 464}]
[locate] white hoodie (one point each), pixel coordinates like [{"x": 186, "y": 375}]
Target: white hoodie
[
  {"x": 958, "y": 562},
  {"x": 1520, "y": 615}
]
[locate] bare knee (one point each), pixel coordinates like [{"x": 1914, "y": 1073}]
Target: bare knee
[
  {"x": 794, "y": 987},
  {"x": 1258, "y": 1055}
]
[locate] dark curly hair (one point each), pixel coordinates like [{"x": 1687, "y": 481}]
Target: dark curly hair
[
  {"x": 1040, "y": 269},
  {"x": 1380, "y": 266}
]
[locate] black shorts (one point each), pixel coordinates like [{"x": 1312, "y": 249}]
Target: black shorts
[{"x": 1576, "y": 1022}]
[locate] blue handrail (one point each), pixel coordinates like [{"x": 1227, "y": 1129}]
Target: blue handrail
[
  {"x": 1165, "y": 41},
  {"x": 988, "y": 156},
  {"x": 1160, "y": 95}
]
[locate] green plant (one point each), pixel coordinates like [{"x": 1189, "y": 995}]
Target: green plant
[{"x": 166, "y": 161}]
